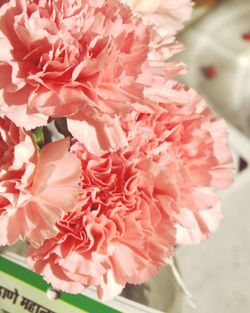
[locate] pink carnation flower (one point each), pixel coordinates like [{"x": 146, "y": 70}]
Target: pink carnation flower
[
  {"x": 119, "y": 232},
  {"x": 35, "y": 188},
  {"x": 167, "y": 15},
  {"x": 190, "y": 144},
  {"x": 75, "y": 59}
]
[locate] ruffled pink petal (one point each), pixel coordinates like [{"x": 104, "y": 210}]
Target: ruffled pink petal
[
  {"x": 35, "y": 189},
  {"x": 18, "y": 113},
  {"x": 54, "y": 275},
  {"x": 198, "y": 222},
  {"x": 167, "y": 15},
  {"x": 97, "y": 136},
  {"x": 170, "y": 16}
]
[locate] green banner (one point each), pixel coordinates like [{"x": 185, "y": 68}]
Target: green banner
[{"x": 22, "y": 291}]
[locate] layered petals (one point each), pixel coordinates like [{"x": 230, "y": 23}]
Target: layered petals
[
  {"x": 119, "y": 232},
  {"x": 80, "y": 60},
  {"x": 191, "y": 145},
  {"x": 36, "y": 188}
]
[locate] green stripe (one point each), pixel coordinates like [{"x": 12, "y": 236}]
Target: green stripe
[{"x": 35, "y": 280}]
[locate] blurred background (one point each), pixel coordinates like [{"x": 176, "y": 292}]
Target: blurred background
[{"x": 217, "y": 52}]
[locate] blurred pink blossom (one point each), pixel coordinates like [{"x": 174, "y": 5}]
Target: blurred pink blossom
[{"x": 167, "y": 15}]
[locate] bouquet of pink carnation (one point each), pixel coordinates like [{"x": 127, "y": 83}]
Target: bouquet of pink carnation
[{"x": 106, "y": 162}]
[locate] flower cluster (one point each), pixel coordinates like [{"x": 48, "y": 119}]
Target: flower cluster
[{"x": 106, "y": 162}]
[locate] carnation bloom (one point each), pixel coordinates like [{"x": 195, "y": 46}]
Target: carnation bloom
[
  {"x": 35, "y": 188},
  {"x": 75, "y": 59},
  {"x": 190, "y": 144},
  {"x": 119, "y": 231},
  {"x": 167, "y": 15}
]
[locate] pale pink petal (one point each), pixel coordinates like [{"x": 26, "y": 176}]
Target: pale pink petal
[
  {"x": 98, "y": 137},
  {"x": 35, "y": 188},
  {"x": 197, "y": 223},
  {"x": 18, "y": 113},
  {"x": 109, "y": 288},
  {"x": 167, "y": 15}
]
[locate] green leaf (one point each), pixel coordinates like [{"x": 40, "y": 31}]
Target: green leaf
[{"x": 38, "y": 135}]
